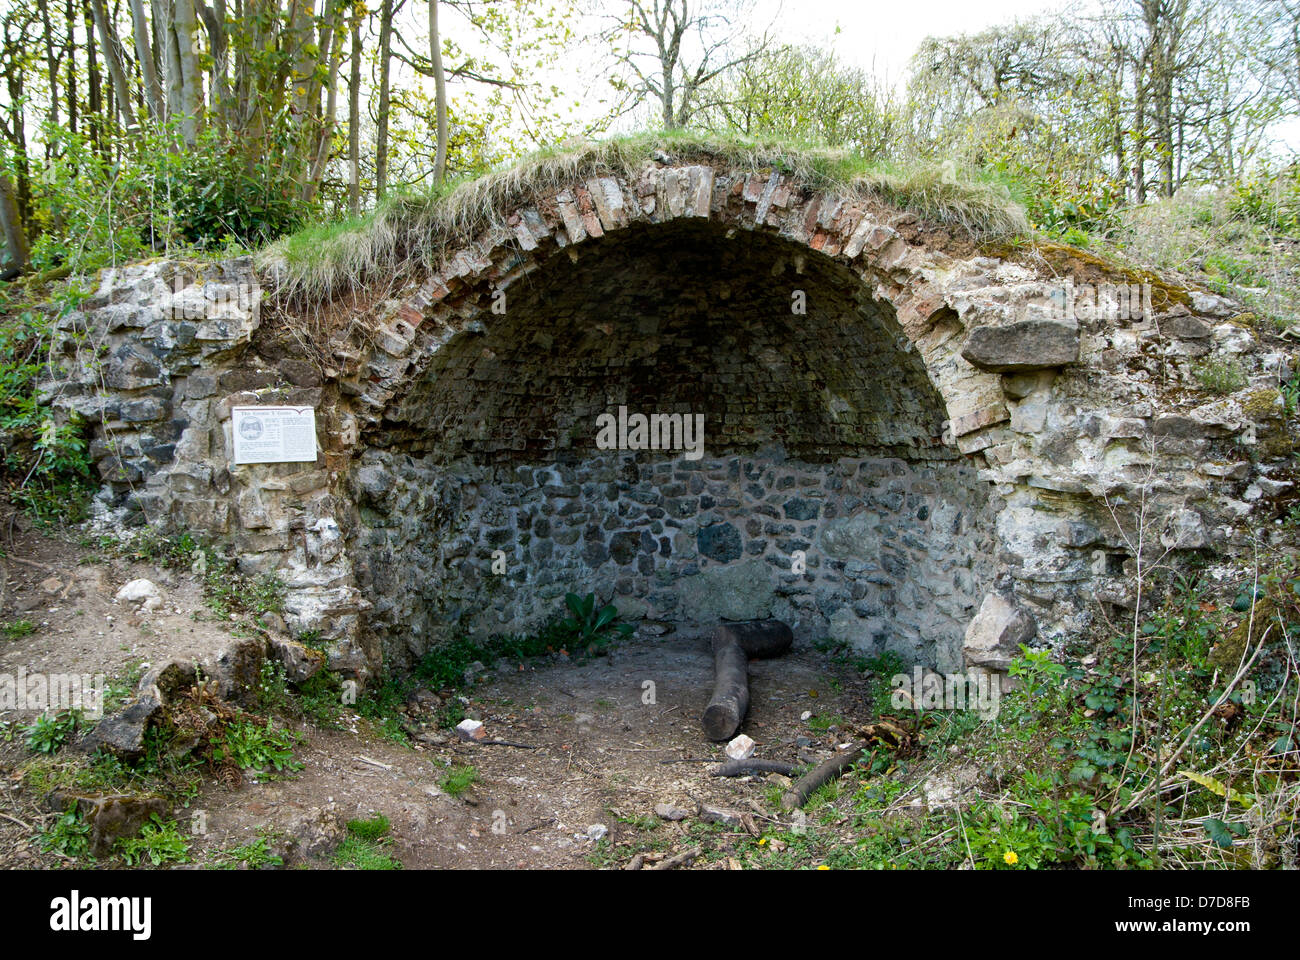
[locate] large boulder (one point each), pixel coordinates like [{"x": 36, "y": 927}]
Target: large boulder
[
  {"x": 110, "y": 817},
  {"x": 994, "y": 636},
  {"x": 123, "y": 733},
  {"x": 1024, "y": 345}
]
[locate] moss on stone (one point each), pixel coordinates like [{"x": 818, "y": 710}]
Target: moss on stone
[{"x": 1263, "y": 404}]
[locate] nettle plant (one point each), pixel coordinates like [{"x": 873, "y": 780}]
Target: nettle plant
[{"x": 589, "y": 626}]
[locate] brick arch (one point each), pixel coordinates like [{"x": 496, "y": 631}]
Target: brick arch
[
  {"x": 442, "y": 353},
  {"x": 863, "y": 238}
]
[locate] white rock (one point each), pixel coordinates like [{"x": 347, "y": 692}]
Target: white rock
[
  {"x": 471, "y": 729},
  {"x": 138, "y": 590},
  {"x": 597, "y": 831},
  {"x": 741, "y": 748}
]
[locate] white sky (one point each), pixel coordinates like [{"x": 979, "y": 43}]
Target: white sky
[{"x": 882, "y": 35}]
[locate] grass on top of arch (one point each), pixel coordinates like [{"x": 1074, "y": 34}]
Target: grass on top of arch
[{"x": 414, "y": 229}]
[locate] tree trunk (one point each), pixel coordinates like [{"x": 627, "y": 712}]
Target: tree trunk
[
  {"x": 94, "y": 93},
  {"x": 191, "y": 87},
  {"x": 144, "y": 53},
  {"x": 326, "y": 137},
  {"x": 52, "y": 69},
  {"x": 354, "y": 119},
  {"x": 12, "y": 224},
  {"x": 381, "y": 138},
  {"x": 440, "y": 94},
  {"x": 730, "y": 701},
  {"x": 733, "y": 645},
  {"x": 70, "y": 51},
  {"x": 214, "y": 21},
  {"x": 113, "y": 59}
]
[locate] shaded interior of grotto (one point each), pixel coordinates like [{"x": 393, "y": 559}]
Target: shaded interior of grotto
[{"x": 824, "y": 494}]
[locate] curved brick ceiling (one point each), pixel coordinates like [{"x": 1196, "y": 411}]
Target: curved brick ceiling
[{"x": 689, "y": 318}]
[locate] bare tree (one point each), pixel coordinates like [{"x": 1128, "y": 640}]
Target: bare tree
[{"x": 670, "y": 50}]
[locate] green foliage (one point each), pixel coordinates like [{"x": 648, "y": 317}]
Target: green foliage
[
  {"x": 367, "y": 846},
  {"x": 805, "y": 95},
  {"x": 320, "y": 701},
  {"x": 17, "y": 629},
  {"x": 444, "y": 666},
  {"x": 382, "y": 704},
  {"x": 590, "y": 627},
  {"x": 91, "y": 210},
  {"x": 1219, "y": 376},
  {"x": 160, "y": 841},
  {"x": 372, "y": 829},
  {"x": 227, "y": 593},
  {"x": 219, "y": 196},
  {"x": 49, "y": 733},
  {"x": 272, "y": 689},
  {"x": 458, "y": 780},
  {"x": 1270, "y": 197},
  {"x": 252, "y": 746},
  {"x": 1049, "y": 825},
  {"x": 255, "y": 855},
  {"x": 69, "y": 836},
  {"x": 45, "y": 457}
]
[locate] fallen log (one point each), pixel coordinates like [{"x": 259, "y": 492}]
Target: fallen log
[
  {"x": 823, "y": 773},
  {"x": 739, "y": 768},
  {"x": 733, "y": 646}
]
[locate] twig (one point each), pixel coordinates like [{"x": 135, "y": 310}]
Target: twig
[
  {"x": 25, "y": 826},
  {"x": 31, "y": 563},
  {"x": 823, "y": 773},
  {"x": 686, "y": 858},
  {"x": 691, "y": 760},
  {"x": 739, "y": 768}
]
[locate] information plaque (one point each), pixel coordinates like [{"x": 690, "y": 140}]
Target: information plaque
[{"x": 274, "y": 434}]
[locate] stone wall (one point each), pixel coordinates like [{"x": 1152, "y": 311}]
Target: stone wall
[
  {"x": 925, "y": 377},
  {"x": 896, "y": 555}
]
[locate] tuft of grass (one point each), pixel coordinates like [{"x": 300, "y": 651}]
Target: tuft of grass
[
  {"x": 458, "y": 780},
  {"x": 372, "y": 829},
  {"x": 17, "y": 629},
  {"x": 1220, "y": 376},
  {"x": 257, "y": 748},
  {"x": 367, "y": 846},
  {"x": 411, "y": 230}
]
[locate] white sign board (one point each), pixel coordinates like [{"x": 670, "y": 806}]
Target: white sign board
[{"x": 274, "y": 434}]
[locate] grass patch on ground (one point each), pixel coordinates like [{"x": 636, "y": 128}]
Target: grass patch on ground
[
  {"x": 367, "y": 846},
  {"x": 458, "y": 779}
]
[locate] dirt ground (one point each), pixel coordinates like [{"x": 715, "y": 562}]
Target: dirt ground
[{"x": 604, "y": 739}]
